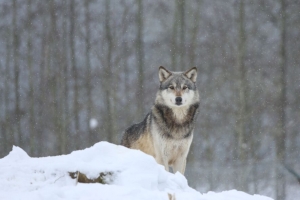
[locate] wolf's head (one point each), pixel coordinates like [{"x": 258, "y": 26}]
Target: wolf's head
[{"x": 177, "y": 89}]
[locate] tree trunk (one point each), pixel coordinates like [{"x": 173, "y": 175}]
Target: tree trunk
[
  {"x": 241, "y": 114},
  {"x": 30, "y": 79},
  {"x": 192, "y": 158},
  {"x": 55, "y": 75},
  {"x": 174, "y": 46},
  {"x": 16, "y": 44},
  {"x": 281, "y": 132},
  {"x": 74, "y": 73},
  {"x": 42, "y": 93},
  {"x": 140, "y": 59},
  {"x": 66, "y": 117},
  {"x": 194, "y": 34},
  {"x": 181, "y": 8},
  {"x": 88, "y": 69},
  {"x": 3, "y": 135},
  {"x": 7, "y": 121},
  {"x": 109, "y": 100},
  {"x": 64, "y": 146}
]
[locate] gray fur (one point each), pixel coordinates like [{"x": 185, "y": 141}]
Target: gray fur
[
  {"x": 178, "y": 79},
  {"x": 167, "y": 124},
  {"x": 133, "y": 133}
]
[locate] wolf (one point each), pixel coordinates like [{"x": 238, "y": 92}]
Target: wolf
[{"x": 166, "y": 132}]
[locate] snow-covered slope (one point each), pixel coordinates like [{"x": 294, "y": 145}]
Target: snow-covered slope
[{"x": 132, "y": 175}]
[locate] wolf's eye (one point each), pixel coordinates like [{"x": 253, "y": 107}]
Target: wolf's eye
[
  {"x": 171, "y": 87},
  {"x": 184, "y": 87}
]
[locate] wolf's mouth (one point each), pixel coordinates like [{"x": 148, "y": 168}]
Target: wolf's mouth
[{"x": 178, "y": 104}]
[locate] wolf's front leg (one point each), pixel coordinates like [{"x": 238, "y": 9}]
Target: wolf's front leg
[
  {"x": 179, "y": 165},
  {"x": 163, "y": 163}
]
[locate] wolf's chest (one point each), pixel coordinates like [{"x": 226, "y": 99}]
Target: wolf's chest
[
  {"x": 174, "y": 149},
  {"x": 176, "y": 146},
  {"x": 168, "y": 143}
]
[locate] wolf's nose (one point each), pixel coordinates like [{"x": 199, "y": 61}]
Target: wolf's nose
[{"x": 178, "y": 100}]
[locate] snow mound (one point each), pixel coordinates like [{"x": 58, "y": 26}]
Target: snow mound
[{"x": 135, "y": 175}]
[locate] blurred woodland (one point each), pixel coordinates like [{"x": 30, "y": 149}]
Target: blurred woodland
[{"x": 73, "y": 73}]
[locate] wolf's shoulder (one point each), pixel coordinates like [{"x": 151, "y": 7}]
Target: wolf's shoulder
[
  {"x": 135, "y": 131},
  {"x": 139, "y": 127}
]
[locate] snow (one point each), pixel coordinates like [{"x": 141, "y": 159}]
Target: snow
[
  {"x": 134, "y": 175},
  {"x": 93, "y": 123}
]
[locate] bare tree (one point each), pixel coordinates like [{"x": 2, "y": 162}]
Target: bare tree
[
  {"x": 16, "y": 44},
  {"x": 281, "y": 132},
  {"x": 193, "y": 43},
  {"x": 178, "y": 37},
  {"x": 241, "y": 86},
  {"x": 109, "y": 77},
  {"x": 56, "y": 71},
  {"x": 74, "y": 71},
  {"x": 173, "y": 44},
  {"x": 65, "y": 87},
  {"x": 3, "y": 134},
  {"x": 42, "y": 85},
  {"x": 88, "y": 67},
  {"x": 140, "y": 58},
  {"x": 181, "y": 9},
  {"x": 31, "y": 82},
  {"x": 194, "y": 33},
  {"x": 6, "y": 125}
]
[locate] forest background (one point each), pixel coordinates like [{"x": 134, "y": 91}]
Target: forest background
[{"x": 73, "y": 73}]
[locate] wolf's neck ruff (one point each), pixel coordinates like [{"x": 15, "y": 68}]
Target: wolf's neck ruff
[
  {"x": 172, "y": 127},
  {"x": 168, "y": 116}
]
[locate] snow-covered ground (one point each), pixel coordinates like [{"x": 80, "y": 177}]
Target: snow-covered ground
[{"x": 131, "y": 175}]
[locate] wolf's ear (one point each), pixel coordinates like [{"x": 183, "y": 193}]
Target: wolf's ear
[
  {"x": 163, "y": 73},
  {"x": 191, "y": 74}
]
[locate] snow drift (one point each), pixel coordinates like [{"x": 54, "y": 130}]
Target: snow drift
[{"x": 132, "y": 175}]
